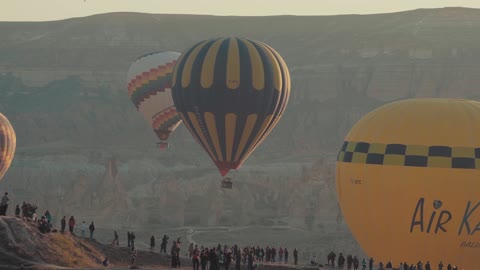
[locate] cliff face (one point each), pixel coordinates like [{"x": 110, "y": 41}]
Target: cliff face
[{"x": 84, "y": 150}]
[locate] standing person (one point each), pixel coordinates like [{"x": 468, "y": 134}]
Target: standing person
[
  {"x": 280, "y": 254},
  {"x": 195, "y": 258},
  {"x": 440, "y": 266},
  {"x": 129, "y": 238},
  {"x": 132, "y": 239},
  {"x": 349, "y": 261},
  {"x": 364, "y": 264},
  {"x": 341, "y": 261},
  {"x": 152, "y": 243},
  {"x": 48, "y": 216},
  {"x": 173, "y": 251},
  {"x": 4, "y": 204},
  {"x": 295, "y": 256},
  {"x": 190, "y": 250},
  {"x": 427, "y": 266},
  {"x": 17, "y": 211},
  {"x": 178, "y": 252},
  {"x": 228, "y": 259},
  {"x": 115, "y": 239},
  {"x": 355, "y": 263},
  {"x": 370, "y": 264},
  {"x": 63, "y": 224},
  {"x": 92, "y": 229},
  {"x": 204, "y": 259},
  {"x": 238, "y": 260},
  {"x": 163, "y": 247},
  {"x": 133, "y": 258},
  {"x": 286, "y": 255},
  {"x": 83, "y": 228},
  {"x": 71, "y": 224}
]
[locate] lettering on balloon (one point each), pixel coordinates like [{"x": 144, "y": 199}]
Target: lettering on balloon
[
  {"x": 356, "y": 181},
  {"x": 418, "y": 220},
  {"x": 438, "y": 220},
  {"x": 469, "y": 244}
]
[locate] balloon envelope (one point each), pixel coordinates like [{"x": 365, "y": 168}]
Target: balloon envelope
[
  {"x": 230, "y": 93},
  {"x": 149, "y": 88},
  {"x": 408, "y": 182},
  {"x": 8, "y": 142}
]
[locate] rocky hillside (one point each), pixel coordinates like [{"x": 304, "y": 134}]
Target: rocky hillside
[{"x": 84, "y": 150}]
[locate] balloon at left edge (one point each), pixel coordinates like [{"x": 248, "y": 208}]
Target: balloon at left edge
[
  {"x": 8, "y": 142},
  {"x": 149, "y": 88}
]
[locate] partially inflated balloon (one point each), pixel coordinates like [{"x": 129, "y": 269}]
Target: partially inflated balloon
[
  {"x": 149, "y": 88},
  {"x": 8, "y": 142},
  {"x": 230, "y": 93},
  {"x": 408, "y": 182}
]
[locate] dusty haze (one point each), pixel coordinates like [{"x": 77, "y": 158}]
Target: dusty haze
[{"x": 84, "y": 150}]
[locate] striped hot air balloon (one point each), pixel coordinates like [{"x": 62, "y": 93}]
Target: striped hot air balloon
[
  {"x": 149, "y": 88},
  {"x": 8, "y": 142},
  {"x": 230, "y": 93}
]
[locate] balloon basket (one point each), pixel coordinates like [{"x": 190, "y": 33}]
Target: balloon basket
[
  {"x": 163, "y": 145},
  {"x": 227, "y": 183}
]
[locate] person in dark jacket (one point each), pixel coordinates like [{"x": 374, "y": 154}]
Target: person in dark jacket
[
  {"x": 349, "y": 262},
  {"x": 71, "y": 224},
  {"x": 228, "y": 259},
  {"x": 370, "y": 264},
  {"x": 152, "y": 243},
  {"x": 63, "y": 224},
  {"x": 173, "y": 253},
  {"x": 427, "y": 266},
  {"x": 286, "y": 255},
  {"x": 204, "y": 259},
  {"x": 163, "y": 246},
  {"x": 341, "y": 261},
  {"x": 92, "y": 229},
  {"x": 17, "y": 211},
  {"x": 238, "y": 260},
  {"x": 356, "y": 263}
]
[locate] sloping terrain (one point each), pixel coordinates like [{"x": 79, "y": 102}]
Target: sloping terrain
[{"x": 22, "y": 243}]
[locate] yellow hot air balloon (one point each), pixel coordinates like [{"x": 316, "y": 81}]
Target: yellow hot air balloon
[
  {"x": 230, "y": 93},
  {"x": 149, "y": 87},
  {"x": 8, "y": 142},
  {"x": 408, "y": 182}
]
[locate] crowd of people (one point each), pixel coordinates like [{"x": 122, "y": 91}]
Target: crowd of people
[
  {"x": 215, "y": 258},
  {"x": 352, "y": 261},
  {"x": 27, "y": 211}
]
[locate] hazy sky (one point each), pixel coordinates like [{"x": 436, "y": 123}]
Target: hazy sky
[{"x": 41, "y": 10}]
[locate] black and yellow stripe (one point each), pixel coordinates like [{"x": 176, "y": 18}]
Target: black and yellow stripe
[
  {"x": 8, "y": 142},
  {"x": 230, "y": 93},
  {"x": 410, "y": 155}
]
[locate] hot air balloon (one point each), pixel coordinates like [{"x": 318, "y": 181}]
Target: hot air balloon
[
  {"x": 8, "y": 142},
  {"x": 408, "y": 182},
  {"x": 230, "y": 93},
  {"x": 149, "y": 88}
]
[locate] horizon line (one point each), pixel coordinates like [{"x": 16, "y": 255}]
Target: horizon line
[{"x": 226, "y": 15}]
